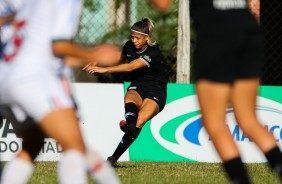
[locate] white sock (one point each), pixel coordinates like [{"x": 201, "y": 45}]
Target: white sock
[
  {"x": 100, "y": 170},
  {"x": 72, "y": 168},
  {"x": 17, "y": 171}
]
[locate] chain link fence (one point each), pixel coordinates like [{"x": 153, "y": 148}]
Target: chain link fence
[
  {"x": 271, "y": 22},
  {"x": 110, "y": 21}
]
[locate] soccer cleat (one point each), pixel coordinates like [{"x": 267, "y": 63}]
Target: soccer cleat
[
  {"x": 123, "y": 126},
  {"x": 112, "y": 160}
]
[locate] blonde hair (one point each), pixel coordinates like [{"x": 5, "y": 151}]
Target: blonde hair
[{"x": 144, "y": 26}]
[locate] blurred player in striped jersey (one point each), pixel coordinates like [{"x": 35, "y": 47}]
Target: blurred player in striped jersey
[
  {"x": 7, "y": 12},
  {"x": 34, "y": 85}
]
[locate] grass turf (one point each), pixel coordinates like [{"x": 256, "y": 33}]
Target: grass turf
[{"x": 162, "y": 173}]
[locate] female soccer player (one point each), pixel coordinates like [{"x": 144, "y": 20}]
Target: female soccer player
[
  {"x": 228, "y": 62},
  {"x": 33, "y": 84},
  {"x": 146, "y": 95}
]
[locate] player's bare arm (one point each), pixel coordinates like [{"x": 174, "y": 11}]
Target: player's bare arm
[
  {"x": 128, "y": 67},
  {"x": 75, "y": 55}
]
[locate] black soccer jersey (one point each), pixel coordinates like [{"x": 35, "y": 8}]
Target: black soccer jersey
[
  {"x": 210, "y": 15},
  {"x": 152, "y": 57},
  {"x": 228, "y": 43}
]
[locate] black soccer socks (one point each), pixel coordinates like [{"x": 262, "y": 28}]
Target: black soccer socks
[
  {"x": 274, "y": 157},
  {"x": 236, "y": 171}
]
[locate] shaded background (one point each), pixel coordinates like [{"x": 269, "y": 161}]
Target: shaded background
[
  {"x": 271, "y": 22},
  {"x": 110, "y": 21}
]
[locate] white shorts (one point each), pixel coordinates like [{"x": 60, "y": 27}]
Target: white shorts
[{"x": 36, "y": 96}]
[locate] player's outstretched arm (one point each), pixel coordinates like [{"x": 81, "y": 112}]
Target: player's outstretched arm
[
  {"x": 161, "y": 4},
  {"x": 75, "y": 55},
  {"x": 128, "y": 67}
]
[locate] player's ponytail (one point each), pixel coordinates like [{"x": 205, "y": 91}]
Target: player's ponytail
[{"x": 145, "y": 27}]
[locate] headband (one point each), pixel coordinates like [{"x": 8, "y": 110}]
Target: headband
[{"x": 139, "y": 32}]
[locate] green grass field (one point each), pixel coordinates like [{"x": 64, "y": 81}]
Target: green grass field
[{"x": 163, "y": 173}]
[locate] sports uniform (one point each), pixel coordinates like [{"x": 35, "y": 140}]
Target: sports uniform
[
  {"x": 229, "y": 52},
  {"x": 146, "y": 95},
  {"x": 34, "y": 82},
  {"x": 147, "y": 81},
  {"x": 228, "y": 61},
  {"x": 7, "y": 8}
]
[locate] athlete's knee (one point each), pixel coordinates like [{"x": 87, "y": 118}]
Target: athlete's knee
[
  {"x": 215, "y": 129},
  {"x": 249, "y": 126},
  {"x": 142, "y": 119}
]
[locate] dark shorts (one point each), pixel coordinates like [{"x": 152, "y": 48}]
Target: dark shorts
[
  {"x": 228, "y": 56},
  {"x": 158, "y": 93}
]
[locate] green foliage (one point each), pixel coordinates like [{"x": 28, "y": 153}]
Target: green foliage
[
  {"x": 165, "y": 33},
  {"x": 118, "y": 36},
  {"x": 91, "y": 5},
  {"x": 118, "y": 3},
  {"x": 118, "y": 29}
]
